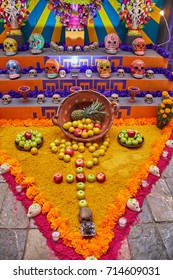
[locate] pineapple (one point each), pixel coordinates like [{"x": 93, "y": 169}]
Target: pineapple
[{"x": 95, "y": 112}]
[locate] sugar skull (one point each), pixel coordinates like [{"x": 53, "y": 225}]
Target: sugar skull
[
  {"x": 36, "y": 43},
  {"x": 150, "y": 74},
  {"x": 4, "y": 168},
  {"x": 114, "y": 97},
  {"x": 148, "y": 98},
  {"x": 6, "y": 99},
  {"x": 85, "y": 215},
  {"x": 13, "y": 69},
  {"x": 10, "y": 46},
  {"x": 52, "y": 68},
  {"x": 104, "y": 68},
  {"x": 34, "y": 210},
  {"x": 111, "y": 43},
  {"x": 154, "y": 170},
  {"x": 169, "y": 143},
  {"x": 139, "y": 46},
  {"x": 62, "y": 73},
  {"x": 138, "y": 69},
  {"x": 133, "y": 204},
  {"x": 88, "y": 73},
  {"x": 56, "y": 98}
]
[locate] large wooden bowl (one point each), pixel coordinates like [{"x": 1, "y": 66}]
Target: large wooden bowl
[{"x": 79, "y": 100}]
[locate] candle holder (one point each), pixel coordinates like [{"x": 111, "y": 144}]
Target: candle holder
[
  {"x": 24, "y": 91},
  {"x": 133, "y": 91}
]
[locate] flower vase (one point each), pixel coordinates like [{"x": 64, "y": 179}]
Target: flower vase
[
  {"x": 133, "y": 91},
  {"x": 14, "y": 29},
  {"x": 24, "y": 91},
  {"x": 134, "y": 29}
]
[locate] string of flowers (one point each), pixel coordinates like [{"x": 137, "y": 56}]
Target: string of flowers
[{"x": 165, "y": 110}]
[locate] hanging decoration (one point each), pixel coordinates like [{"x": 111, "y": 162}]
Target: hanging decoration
[
  {"x": 14, "y": 13},
  {"x": 75, "y": 14},
  {"x": 135, "y": 13}
]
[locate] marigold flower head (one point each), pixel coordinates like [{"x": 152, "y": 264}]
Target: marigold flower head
[
  {"x": 162, "y": 111},
  {"x": 164, "y": 116},
  {"x": 167, "y": 110},
  {"x": 165, "y": 93},
  {"x": 162, "y": 105}
]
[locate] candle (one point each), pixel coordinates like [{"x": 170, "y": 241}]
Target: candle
[
  {"x": 165, "y": 154},
  {"x": 55, "y": 235},
  {"x": 122, "y": 222},
  {"x": 144, "y": 183}
]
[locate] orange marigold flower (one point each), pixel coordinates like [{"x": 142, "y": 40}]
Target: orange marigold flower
[
  {"x": 167, "y": 110},
  {"x": 162, "y": 111},
  {"x": 165, "y": 93},
  {"x": 162, "y": 105},
  {"x": 172, "y": 110},
  {"x": 164, "y": 116},
  {"x": 165, "y": 101}
]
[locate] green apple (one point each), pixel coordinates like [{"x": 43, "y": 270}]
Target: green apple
[
  {"x": 80, "y": 186},
  {"x": 38, "y": 140},
  {"x": 123, "y": 140},
  {"x": 124, "y": 131},
  {"x": 135, "y": 142},
  {"x": 66, "y": 158},
  {"x": 19, "y": 135},
  {"x": 121, "y": 135},
  {"x": 80, "y": 194},
  {"x": 27, "y": 147},
  {"x": 79, "y": 170},
  {"x": 54, "y": 149},
  {"x": 128, "y": 142},
  {"x": 18, "y": 139},
  {"x": 91, "y": 178},
  {"x": 51, "y": 145},
  {"x": 34, "y": 132},
  {"x": 69, "y": 178},
  {"x": 33, "y": 144},
  {"x": 139, "y": 140},
  {"x": 57, "y": 142},
  {"x": 95, "y": 161},
  {"x": 21, "y": 143},
  {"x": 83, "y": 203},
  {"x": 39, "y": 135}
]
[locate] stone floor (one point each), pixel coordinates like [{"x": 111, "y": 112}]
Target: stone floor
[{"x": 150, "y": 239}]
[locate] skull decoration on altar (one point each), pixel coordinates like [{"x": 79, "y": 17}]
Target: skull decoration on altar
[
  {"x": 88, "y": 73},
  {"x": 169, "y": 143},
  {"x": 77, "y": 49},
  {"x": 53, "y": 46},
  {"x": 13, "y": 69},
  {"x": 114, "y": 97},
  {"x": 62, "y": 73},
  {"x": 96, "y": 45},
  {"x": 120, "y": 73},
  {"x": 34, "y": 210},
  {"x": 36, "y": 43},
  {"x": 86, "y": 48},
  {"x": 150, "y": 74},
  {"x": 69, "y": 49},
  {"x": 133, "y": 204},
  {"x": 52, "y": 68},
  {"x": 85, "y": 215},
  {"x": 6, "y": 99},
  {"x": 5, "y": 167},
  {"x": 40, "y": 98},
  {"x": 56, "y": 98},
  {"x": 61, "y": 49},
  {"x": 10, "y": 46},
  {"x": 139, "y": 46},
  {"x": 91, "y": 47},
  {"x": 138, "y": 69},
  {"x": 154, "y": 170},
  {"x": 104, "y": 68},
  {"x": 148, "y": 98},
  {"x": 111, "y": 43},
  {"x": 33, "y": 73}
]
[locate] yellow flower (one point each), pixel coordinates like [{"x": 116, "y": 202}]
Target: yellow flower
[
  {"x": 164, "y": 116},
  {"x": 172, "y": 110},
  {"x": 167, "y": 110},
  {"x": 162, "y": 111},
  {"x": 165, "y": 94},
  {"x": 165, "y": 101},
  {"x": 162, "y": 105}
]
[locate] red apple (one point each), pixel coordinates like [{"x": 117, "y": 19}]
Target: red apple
[
  {"x": 77, "y": 131},
  {"x": 131, "y": 133},
  {"x": 85, "y": 130},
  {"x": 58, "y": 178},
  {"x": 98, "y": 125},
  {"x": 79, "y": 162},
  {"x": 80, "y": 177},
  {"x": 28, "y": 135},
  {"x": 101, "y": 177},
  {"x": 69, "y": 151}
]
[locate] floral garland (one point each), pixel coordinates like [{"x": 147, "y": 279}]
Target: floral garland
[{"x": 99, "y": 245}]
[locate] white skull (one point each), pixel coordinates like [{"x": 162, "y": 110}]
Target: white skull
[
  {"x": 86, "y": 48},
  {"x": 150, "y": 74},
  {"x": 32, "y": 73},
  {"x": 120, "y": 73},
  {"x": 60, "y": 48},
  {"x": 148, "y": 98},
  {"x": 69, "y": 49},
  {"x": 169, "y": 143},
  {"x": 53, "y": 46},
  {"x": 92, "y": 47},
  {"x": 4, "y": 168},
  {"x": 96, "y": 45},
  {"x": 62, "y": 73},
  {"x": 40, "y": 98},
  {"x": 88, "y": 73},
  {"x": 154, "y": 170},
  {"x": 114, "y": 97},
  {"x": 78, "y": 49},
  {"x": 6, "y": 99},
  {"x": 56, "y": 98},
  {"x": 34, "y": 210},
  {"x": 133, "y": 204}
]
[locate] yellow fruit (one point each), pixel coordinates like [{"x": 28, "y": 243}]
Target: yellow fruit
[
  {"x": 61, "y": 155},
  {"x": 62, "y": 141},
  {"x": 80, "y": 144},
  {"x": 92, "y": 149},
  {"x": 90, "y": 126},
  {"x": 68, "y": 143},
  {"x": 80, "y": 126},
  {"x": 103, "y": 147},
  {"x": 71, "y": 129},
  {"x": 74, "y": 142},
  {"x": 57, "y": 142},
  {"x": 88, "y": 144},
  {"x": 34, "y": 151},
  {"x": 95, "y": 145},
  {"x": 62, "y": 146},
  {"x": 84, "y": 134},
  {"x": 87, "y": 121},
  {"x": 81, "y": 149},
  {"x": 75, "y": 147},
  {"x": 51, "y": 145},
  {"x": 62, "y": 150},
  {"x": 75, "y": 123},
  {"x": 95, "y": 161},
  {"x": 96, "y": 154},
  {"x": 66, "y": 126},
  {"x": 101, "y": 152},
  {"x": 89, "y": 164},
  {"x": 96, "y": 130},
  {"x": 90, "y": 133},
  {"x": 106, "y": 143},
  {"x": 83, "y": 120}
]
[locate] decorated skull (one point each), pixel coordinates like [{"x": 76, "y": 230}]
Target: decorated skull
[
  {"x": 85, "y": 215},
  {"x": 154, "y": 170},
  {"x": 96, "y": 45},
  {"x": 111, "y": 43},
  {"x": 56, "y": 98},
  {"x": 6, "y": 99},
  {"x": 10, "y": 46},
  {"x": 52, "y": 68},
  {"x": 104, "y": 68},
  {"x": 150, "y": 74},
  {"x": 33, "y": 73},
  {"x": 169, "y": 143},
  {"x": 120, "y": 73},
  {"x": 61, "y": 49},
  {"x": 62, "y": 73},
  {"x": 4, "y": 168},
  {"x": 40, "y": 98},
  {"x": 88, "y": 73},
  {"x": 138, "y": 69},
  {"x": 36, "y": 43},
  {"x": 34, "y": 210},
  {"x": 148, "y": 98},
  {"x": 77, "y": 49},
  {"x": 139, "y": 46},
  {"x": 86, "y": 48},
  {"x": 114, "y": 97},
  {"x": 69, "y": 49},
  {"x": 92, "y": 47},
  {"x": 13, "y": 69},
  {"x": 53, "y": 46},
  {"x": 133, "y": 204}
]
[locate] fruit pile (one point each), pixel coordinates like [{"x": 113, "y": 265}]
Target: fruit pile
[
  {"x": 83, "y": 128},
  {"x": 130, "y": 138},
  {"x": 30, "y": 140}
]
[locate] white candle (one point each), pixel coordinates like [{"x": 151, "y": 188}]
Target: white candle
[
  {"x": 165, "y": 154},
  {"x": 122, "y": 222},
  {"x": 55, "y": 235},
  {"x": 144, "y": 183}
]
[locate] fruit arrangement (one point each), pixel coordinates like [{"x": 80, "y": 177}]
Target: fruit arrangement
[
  {"x": 30, "y": 140},
  {"x": 130, "y": 138}
]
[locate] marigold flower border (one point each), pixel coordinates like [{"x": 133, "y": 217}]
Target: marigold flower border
[{"x": 107, "y": 242}]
